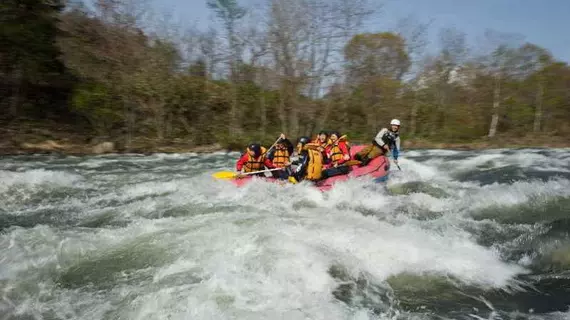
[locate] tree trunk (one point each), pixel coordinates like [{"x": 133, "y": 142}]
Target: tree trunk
[
  {"x": 538, "y": 110},
  {"x": 293, "y": 113},
  {"x": 372, "y": 119},
  {"x": 263, "y": 113},
  {"x": 496, "y": 106},
  {"x": 235, "y": 114},
  {"x": 324, "y": 116},
  {"x": 159, "y": 120},
  {"x": 16, "y": 93},
  {"x": 414, "y": 115},
  {"x": 282, "y": 110},
  {"x": 345, "y": 112},
  {"x": 157, "y": 110},
  {"x": 235, "y": 123},
  {"x": 186, "y": 125},
  {"x": 129, "y": 124},
  {"x": 441, "y": 109},
  {"x": 169, "y": 124}
]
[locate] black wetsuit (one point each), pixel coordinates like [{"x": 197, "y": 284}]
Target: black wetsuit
[{"x": 302, "y": 163}]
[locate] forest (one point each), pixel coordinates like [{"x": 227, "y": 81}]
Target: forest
[{"x": 114, "y": 70}]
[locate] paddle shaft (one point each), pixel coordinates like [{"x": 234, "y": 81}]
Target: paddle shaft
[
  {"x": 350, "y": 163},
  {"x": 263, "y": 171},
  {"x": 337, "y": 140},
  {"x": 273, "y": 145},
  {"x": 357, "y": 162}
]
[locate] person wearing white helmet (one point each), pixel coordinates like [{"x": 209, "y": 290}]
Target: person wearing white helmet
[{"x": 385, "y": 140}]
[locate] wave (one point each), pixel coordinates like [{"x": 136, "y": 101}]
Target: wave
[{"x": 156, "y": 237}]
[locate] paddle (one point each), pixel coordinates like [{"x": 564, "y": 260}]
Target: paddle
[
  {"x": 341, "y": 138},
  {"x": 233, "y": 175},
  {"x": 357, "y": 162},
  {"x": 350, "y": 163},
  {"x": 273, "y": 145}
]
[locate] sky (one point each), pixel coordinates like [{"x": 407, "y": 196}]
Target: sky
[{"x": 542, "y": 22}]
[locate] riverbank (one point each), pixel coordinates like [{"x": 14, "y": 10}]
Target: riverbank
[
  {"x": 31, "y": 138},
  {"x": 66, "y": 140}
]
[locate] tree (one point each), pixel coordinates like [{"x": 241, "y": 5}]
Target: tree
[
  {"x": 499, "y": 64},
  {"x": 415, "y": 33},
  {"x": 230, "y": 13},
  {"x": 152, "y": 84},
  {"x": 533, "y": 63},
  {"x": 110, "y": 52},
  {"x": 376, "y": 55},
  {"x": 306, "y": 40},
  {"x": 294, "y": 66},
  {"x": 28, "y": 56},
  {"x": 448, "y": 69},
  {"x": 375, "y": 66}
]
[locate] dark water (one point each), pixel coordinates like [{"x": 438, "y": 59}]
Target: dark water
[{"x": 455, "y": 235}]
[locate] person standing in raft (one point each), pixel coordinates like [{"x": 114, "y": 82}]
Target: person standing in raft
[
  {"x": 254, "y": 159},
  {"x": 280, "y": 156},
  {"x": 385, "y": 141},
  {"x": 310, "y": 162}
]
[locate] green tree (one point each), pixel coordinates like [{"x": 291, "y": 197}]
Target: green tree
[
  {"x": 229, "y": 12},
  {"x": 533, "y": 63},
  {"x": 28, "y": 57},
  {"x": 373, "y": 55},
  {"x": 375, "y": 64}
]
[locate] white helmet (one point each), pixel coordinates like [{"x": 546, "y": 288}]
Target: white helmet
[{"x": 395, "y": 122}]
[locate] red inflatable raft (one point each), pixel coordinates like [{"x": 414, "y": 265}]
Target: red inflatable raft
[{"x": 377, "y": 170}]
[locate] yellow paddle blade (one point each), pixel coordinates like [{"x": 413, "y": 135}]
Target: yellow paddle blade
[
  {"x": 293, "y": 180},
  {"x": 225, "y": 175}
]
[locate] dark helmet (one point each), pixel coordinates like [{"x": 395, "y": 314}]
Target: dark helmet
[
  {"x": 256, "y": 148},
  {"x": 304, "y": 140},
  {"x": 336, "y": 133}
]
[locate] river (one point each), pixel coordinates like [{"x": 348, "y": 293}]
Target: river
[{"x": 454, "y": 235}]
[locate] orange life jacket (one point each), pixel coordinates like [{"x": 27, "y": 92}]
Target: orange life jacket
[
  {"x": 335, "y": 154},
  {"x": 280, "y": 157},
  {"x": 255, "y": 164}
]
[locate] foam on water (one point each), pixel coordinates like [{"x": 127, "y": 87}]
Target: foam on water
[
  {"x": 36, "y": 178},
  {"x": 249, "y": 264},
  {"x": 430, "y": 152},
  {"x": 516, "y": 193},
  {"x": 191, "y": 247},
  {"x": 524, "y": 159}
]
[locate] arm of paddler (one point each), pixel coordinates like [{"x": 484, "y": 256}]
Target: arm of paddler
[
  {"x": 269, "y": 164},
  {"x": 396, "y": 150},
  {"x": 241, "y": 162},
  {"x": 345, "y": 153}
]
